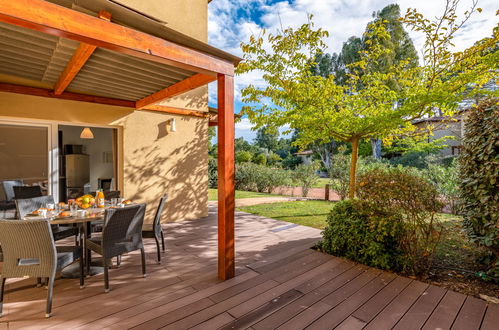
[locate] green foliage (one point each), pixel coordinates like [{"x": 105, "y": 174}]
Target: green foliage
[
  {"x": 273, "y": 159},
  {"x": 260, "y": 159},
  {"x": 415, "y": 201},
  {"x": 305, "y": 175},
  {"x": 479, "y": 178},
  {"x": 212, "y": 172},
  {"x": 243, "y": 156},
  {"x": 361, "y": 231},
  {"x": 445, "y": 179},
  {"x": 267, "y": 138},
  {"x": 339, "y": 172},
  {"x": 254, "y": 177},
  {"x": 414, "y": 159}
]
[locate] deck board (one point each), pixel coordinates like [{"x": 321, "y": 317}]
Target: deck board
[{"x": 280, "y": 283}]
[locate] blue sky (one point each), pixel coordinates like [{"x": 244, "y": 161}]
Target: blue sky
[{"x": 231, "y": 22}]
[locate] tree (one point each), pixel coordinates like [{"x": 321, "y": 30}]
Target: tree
[
  {"x": 400, "y": 45},
  {"x": 367, "y": 105},
  {"x": 267, "y": 138}
]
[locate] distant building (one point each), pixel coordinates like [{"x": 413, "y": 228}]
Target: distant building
[
  {"x": 445, "y": 126},
  {"x": 305, "y": 156}
]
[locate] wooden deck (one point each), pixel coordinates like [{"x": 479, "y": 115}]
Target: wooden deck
[{"x": 280, "y": 283}]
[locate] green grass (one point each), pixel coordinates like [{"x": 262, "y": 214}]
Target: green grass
[
  {"x": 307, "y": 213},
  {"x": 212, "y": 194},
  {"x": 321, "y": 183}
]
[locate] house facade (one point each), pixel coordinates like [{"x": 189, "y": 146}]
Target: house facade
[{"x": 154, "y": 152}]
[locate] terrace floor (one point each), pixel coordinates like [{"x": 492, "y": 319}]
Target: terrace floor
[{"x": 280, "y": 283}]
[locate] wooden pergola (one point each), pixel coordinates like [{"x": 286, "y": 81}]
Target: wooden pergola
[{"x": 197, "y": 68}]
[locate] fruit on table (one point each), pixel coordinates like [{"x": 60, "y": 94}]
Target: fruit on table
[{"x": 85, "y": 201}]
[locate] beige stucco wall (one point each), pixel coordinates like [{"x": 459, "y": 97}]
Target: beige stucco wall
[
  {"x": 187, "y": 16},
  {"x": 154, "y": 160}
]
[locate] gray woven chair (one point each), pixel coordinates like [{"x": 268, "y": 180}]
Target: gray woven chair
[
  {"x": 121, "y": 234},
  {"x": 28, "y": 205},
  {"x": 154, "y": 230},
  {"x": 8, "y": 188},
  {"x": 21, "y": 192},
  {"x": 29, "y": 250}
]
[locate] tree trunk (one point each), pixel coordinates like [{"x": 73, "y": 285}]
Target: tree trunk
[
  {"x": 376, "y": 148},
  {"x": 353, "y": 167}
]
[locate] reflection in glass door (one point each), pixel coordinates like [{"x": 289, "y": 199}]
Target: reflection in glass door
[{"x": 24, "y": 155}]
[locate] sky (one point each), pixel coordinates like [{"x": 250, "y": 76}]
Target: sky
[{"x": 231, "y": 22}]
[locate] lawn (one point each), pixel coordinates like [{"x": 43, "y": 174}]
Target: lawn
[
  {"x": 307, "y": 213},
  {"x": 321, "y": 183},
  {"x": 212, "y": 194}
]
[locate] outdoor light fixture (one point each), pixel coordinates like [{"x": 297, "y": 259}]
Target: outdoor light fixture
[
  {"x": 86, "y": 134},
  {"x": 173, "y": 127}
]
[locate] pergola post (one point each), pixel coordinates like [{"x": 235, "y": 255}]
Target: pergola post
[{"x": 226, "y": 190}]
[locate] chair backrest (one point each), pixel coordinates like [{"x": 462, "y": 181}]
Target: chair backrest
[
  {"x": 28, "y": 248},
  {"x": 21, "y": 192},
  {"x": 8, "y": 188},
  {"x": 112, "y": 194},
  {"x": 157, "y": 217},
  {"x": 28, "y": 205},
  {"x": 122, "y": 231}
]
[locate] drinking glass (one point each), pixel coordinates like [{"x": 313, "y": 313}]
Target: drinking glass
[{"x": 72, "y": 207}]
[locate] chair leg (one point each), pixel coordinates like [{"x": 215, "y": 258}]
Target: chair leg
[
  {"x": 82, "y": 273},
  {"x": 163, "y": 241},
  {"x": 50, "y": 292},
  {"x": 158, "y": 250},
  {"x": 2, "y": 287},
  {"x": 143, "y": 255},
  {"x": 38, "y": 282},
  {"x": 118, "y": 260},
  {"x": 106, "y": 276},
  {"x": 88, "y": 257}
]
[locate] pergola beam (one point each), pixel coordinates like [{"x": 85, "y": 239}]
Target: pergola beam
[
  {"x": 63, "y": 22},
  {"x": 80, "y": 57},
  {"x": 226, "y": 168},
  {"x": 181, "y": 87},
  {"x": 19, "y": 89},
  {"x": 78, "y": 60}
]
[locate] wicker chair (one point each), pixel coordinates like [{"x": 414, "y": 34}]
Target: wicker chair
[
  {"x": 28, "y": 205},
  {"x": 121, "y": 234},
  {"x": 154, "y": 230},
  {"x": 29, "y": 250},
  {"x": 8, "y": 188},
  {"x": 22, "y": 192}
]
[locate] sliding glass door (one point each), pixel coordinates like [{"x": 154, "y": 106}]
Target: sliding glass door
[{"x": 25, "y": 154}]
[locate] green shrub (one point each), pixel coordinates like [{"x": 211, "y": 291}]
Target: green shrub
[
  {"x": 479, "y": 178},
  {"x": 305, "y": 176},
  {"x": 260, "y": 159},
  {"x": 243, "y": 157},
  {"x": 212, "y": 172},
  {"x": 413, "y": 159},
  {"x": 361, "y": 231},
  {"x": 339, "y": 173},
  {"x": 445, "y": 179},
  {"x": 254, "y": 177},
  {"x": 415, "y": 200}
]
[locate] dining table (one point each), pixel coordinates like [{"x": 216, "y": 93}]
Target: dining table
[{"x": 82, "y": 219}]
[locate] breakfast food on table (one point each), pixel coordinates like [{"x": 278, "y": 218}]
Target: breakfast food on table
[
  {"x": 85, "y": 201},
  {"x": 65, "y": 214},
  {"x": 127, "y": 202},
  {"x": 63, "y": 205},
  {"x": 36, "y": 212}
]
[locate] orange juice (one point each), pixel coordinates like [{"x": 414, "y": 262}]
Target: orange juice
[{"x": 100, "y": 198}]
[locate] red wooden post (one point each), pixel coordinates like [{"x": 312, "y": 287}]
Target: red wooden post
[{"x": 226, "y": 190}]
